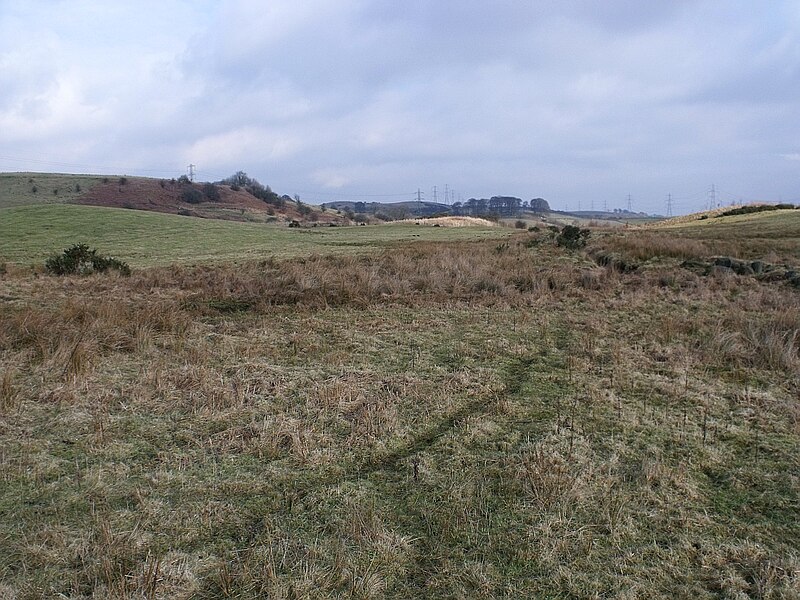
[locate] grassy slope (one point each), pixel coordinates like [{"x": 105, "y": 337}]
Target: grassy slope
[
  {"x": 29, "y": 234},
  {"x": 16, "y": 189},
  {"x": 774, "y": 236},
  {"x": 769, "y": 224},
  {"x": 436, "y": 421}
]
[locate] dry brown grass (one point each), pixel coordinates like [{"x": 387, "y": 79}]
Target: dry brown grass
[
  {"x": 441, "y": 420},
  {"x": 646, "y": 245}
]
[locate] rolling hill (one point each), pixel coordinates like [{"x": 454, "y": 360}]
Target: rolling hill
[{"x": 157, "y": 195}]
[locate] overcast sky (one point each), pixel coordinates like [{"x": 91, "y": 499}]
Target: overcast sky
[{"x": 580, "y": 102}]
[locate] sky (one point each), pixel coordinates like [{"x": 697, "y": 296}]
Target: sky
[{"x": 586, "y": 103}]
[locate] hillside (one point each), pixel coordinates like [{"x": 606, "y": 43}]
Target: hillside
[{"x": 157, "y": 195}]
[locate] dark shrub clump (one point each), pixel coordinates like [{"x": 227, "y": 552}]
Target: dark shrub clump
[
  {"x": 572, "y": 237},
  {"x": 191, "y": 196},
  {"x": 82, "y": 260}
]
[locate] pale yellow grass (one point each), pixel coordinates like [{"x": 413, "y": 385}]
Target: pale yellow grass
[
  {"x": 690, "y": 218},
  {"x": 453, "y": 222}
]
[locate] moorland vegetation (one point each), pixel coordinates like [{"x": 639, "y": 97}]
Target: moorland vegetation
[{"x": 499, "y": 417}]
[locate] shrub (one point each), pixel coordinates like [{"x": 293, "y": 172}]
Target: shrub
[
  {"x": 183, "y": 179},
  {"x": 519, "y": 224},
  {"x": 123, "y": 180},
  {"x": 191, "y": 195},
  {"x": 749, "y": 209},
  {"x": 211, "y": 192},
  {"x": 77, "y": 187},
  {"x": 82, "y": 260},
  {"x": 572, "y": 237}
]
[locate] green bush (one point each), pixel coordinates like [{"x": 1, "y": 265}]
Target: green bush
[
  {"x": 82, "y": 260},
  {"x": 572, "y": 237}
]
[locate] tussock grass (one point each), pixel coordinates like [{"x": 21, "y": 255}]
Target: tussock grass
[{"x": 460, "y": 419}]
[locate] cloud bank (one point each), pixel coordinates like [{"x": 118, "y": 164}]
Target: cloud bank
[{"x": 577, "y": 102}]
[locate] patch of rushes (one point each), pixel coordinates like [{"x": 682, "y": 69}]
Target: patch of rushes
[{"x": 171, "y": 435}]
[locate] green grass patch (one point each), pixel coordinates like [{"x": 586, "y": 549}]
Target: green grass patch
[
  {"x": 24, "y": 189},
  {"x": 29, "y": 234}
]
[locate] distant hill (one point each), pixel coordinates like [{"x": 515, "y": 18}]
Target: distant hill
[
  {"x": 391, "y": 210},
  {"x": 179, "y": 197}
]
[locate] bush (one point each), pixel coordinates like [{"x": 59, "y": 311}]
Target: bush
[
  {"x": 82, "y": 260},
  {"x": 183, "y": 179},
  {"x": 572, "y": 237},
  {"x": 746, "y": 210},
  {"x": 211, "y": 192},
  {"x": 123, "y": 180},
  {"x": 191, "y": 195},
  {"x": 519, "y": 224}
]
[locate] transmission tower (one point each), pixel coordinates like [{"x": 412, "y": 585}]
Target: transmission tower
[
  {"x": 446, "y": 194},
  {"x": 629, "y": 203},
  {"x": 434, "y": 194},
  {"x": 669, "y": 205},
  {"x": 191, "y": 172},
  {"x": 419, "y": 201},
  {"x": 712, "y": 198}
]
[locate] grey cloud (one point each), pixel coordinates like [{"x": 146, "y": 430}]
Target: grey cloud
[{"x": 562, "y": 99}]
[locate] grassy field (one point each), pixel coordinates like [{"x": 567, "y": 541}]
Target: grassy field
[
  {"x": 773, "y": 236},
  {"x": 24, "y": 189},
  {"x": 469, "y": 418},
  {"x": 29, "y": 234}
]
